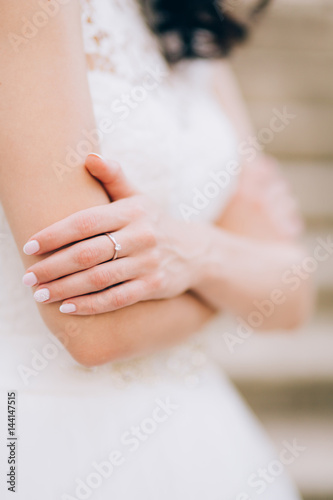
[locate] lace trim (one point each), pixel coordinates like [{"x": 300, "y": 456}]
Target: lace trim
[
  {"x": 97, "y": 41},
  {"x": 121, "y": 47},
  {"x": 185, "y": 363}
]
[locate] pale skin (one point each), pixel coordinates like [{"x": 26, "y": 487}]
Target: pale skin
[{"x": 153, "y": 308}]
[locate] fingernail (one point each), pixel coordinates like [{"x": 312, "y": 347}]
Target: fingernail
[
  {"x": 31, "y": 247},
  {"x": 42, "y": 295},
  {"x": 98, "y": 156},
  {"x": 29, "y": 279},
  {"x": 67, "y": 308}
]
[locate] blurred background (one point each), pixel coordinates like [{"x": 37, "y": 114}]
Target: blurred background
[{"x": 288, "y": 379}]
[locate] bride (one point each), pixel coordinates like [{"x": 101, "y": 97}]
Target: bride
[{"x": 142, "y": 266}]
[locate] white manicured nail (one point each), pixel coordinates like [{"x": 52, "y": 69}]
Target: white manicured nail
[
  {"x": 31, "y": 247},
  {"x": 42, "y": 295},
  {"x": 98, "y": 156},
  {"x": 29, "y": 279},
  {"x": 67, "y": 308}
]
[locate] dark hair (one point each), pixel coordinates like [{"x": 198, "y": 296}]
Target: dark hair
[{"x": 198, "y": 28}]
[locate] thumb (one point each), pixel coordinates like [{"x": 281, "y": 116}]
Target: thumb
[{"x": 111, "y": 175}]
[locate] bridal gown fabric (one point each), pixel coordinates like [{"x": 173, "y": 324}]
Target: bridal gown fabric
[{"x": 165, "y": 427}]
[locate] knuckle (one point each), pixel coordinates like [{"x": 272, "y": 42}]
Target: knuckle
[
  {"x": 154, "y": 258},
  {"x": 137, "y": 210},
  {"x": 157, "y": 281},
  {"x": 44, "y": 272},
  {"x": 102, "y": 301},
  {"x": 90, "y": 306},
  {"x": 86, "y": 256},
  {"x": 118, "y": 276},
  {"x": 120, "y": 299},
  {"x": 48, "y": 239},
  {"x": 100, "y": 278},
  {"x": 62, "y": 294},
  {"x": 57, "y": 291},
  {"x": 149, "y": 235},
  {"x": 85, "y": 223}
]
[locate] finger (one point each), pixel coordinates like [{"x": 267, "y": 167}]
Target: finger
[
  {"x": 112, "y": 299},
  {"x": 86, "y": 254},
  {"x": 79, "y": 226},
  {"x": 111, "y": 175},
  {"x": 88, "y": 281},
  {"x": 77, "y": 257}
]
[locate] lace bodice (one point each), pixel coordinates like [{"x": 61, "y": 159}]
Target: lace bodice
[
  {"x": 122, "y": 48},
  {"x": 165, "y": 126}
]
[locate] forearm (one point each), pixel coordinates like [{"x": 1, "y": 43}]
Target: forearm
[
  {"x": 133, "y": 331},
  {"x": 238, "y": 273}
]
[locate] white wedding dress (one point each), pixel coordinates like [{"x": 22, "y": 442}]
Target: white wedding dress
[{"x": 164, "y": 427}]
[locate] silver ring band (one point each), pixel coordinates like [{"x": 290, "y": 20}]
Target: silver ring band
[{"x": 117, "y": 247}]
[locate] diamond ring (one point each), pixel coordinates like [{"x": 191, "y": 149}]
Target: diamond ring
[{"x": 117, "y": 247}]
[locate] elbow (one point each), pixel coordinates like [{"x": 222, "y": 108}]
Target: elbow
[
  {"x": 89, "y": 350},
  {"x": 90, "y": 356},
  {"x": 84, "y": 337}
]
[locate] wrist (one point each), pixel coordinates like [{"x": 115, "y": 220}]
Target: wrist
[{"x": 213, "y": 246}]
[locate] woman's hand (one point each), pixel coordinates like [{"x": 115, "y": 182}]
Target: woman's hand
[
  {"x": 157, "y": 258},
  {"x": 263, "y": 207}
]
